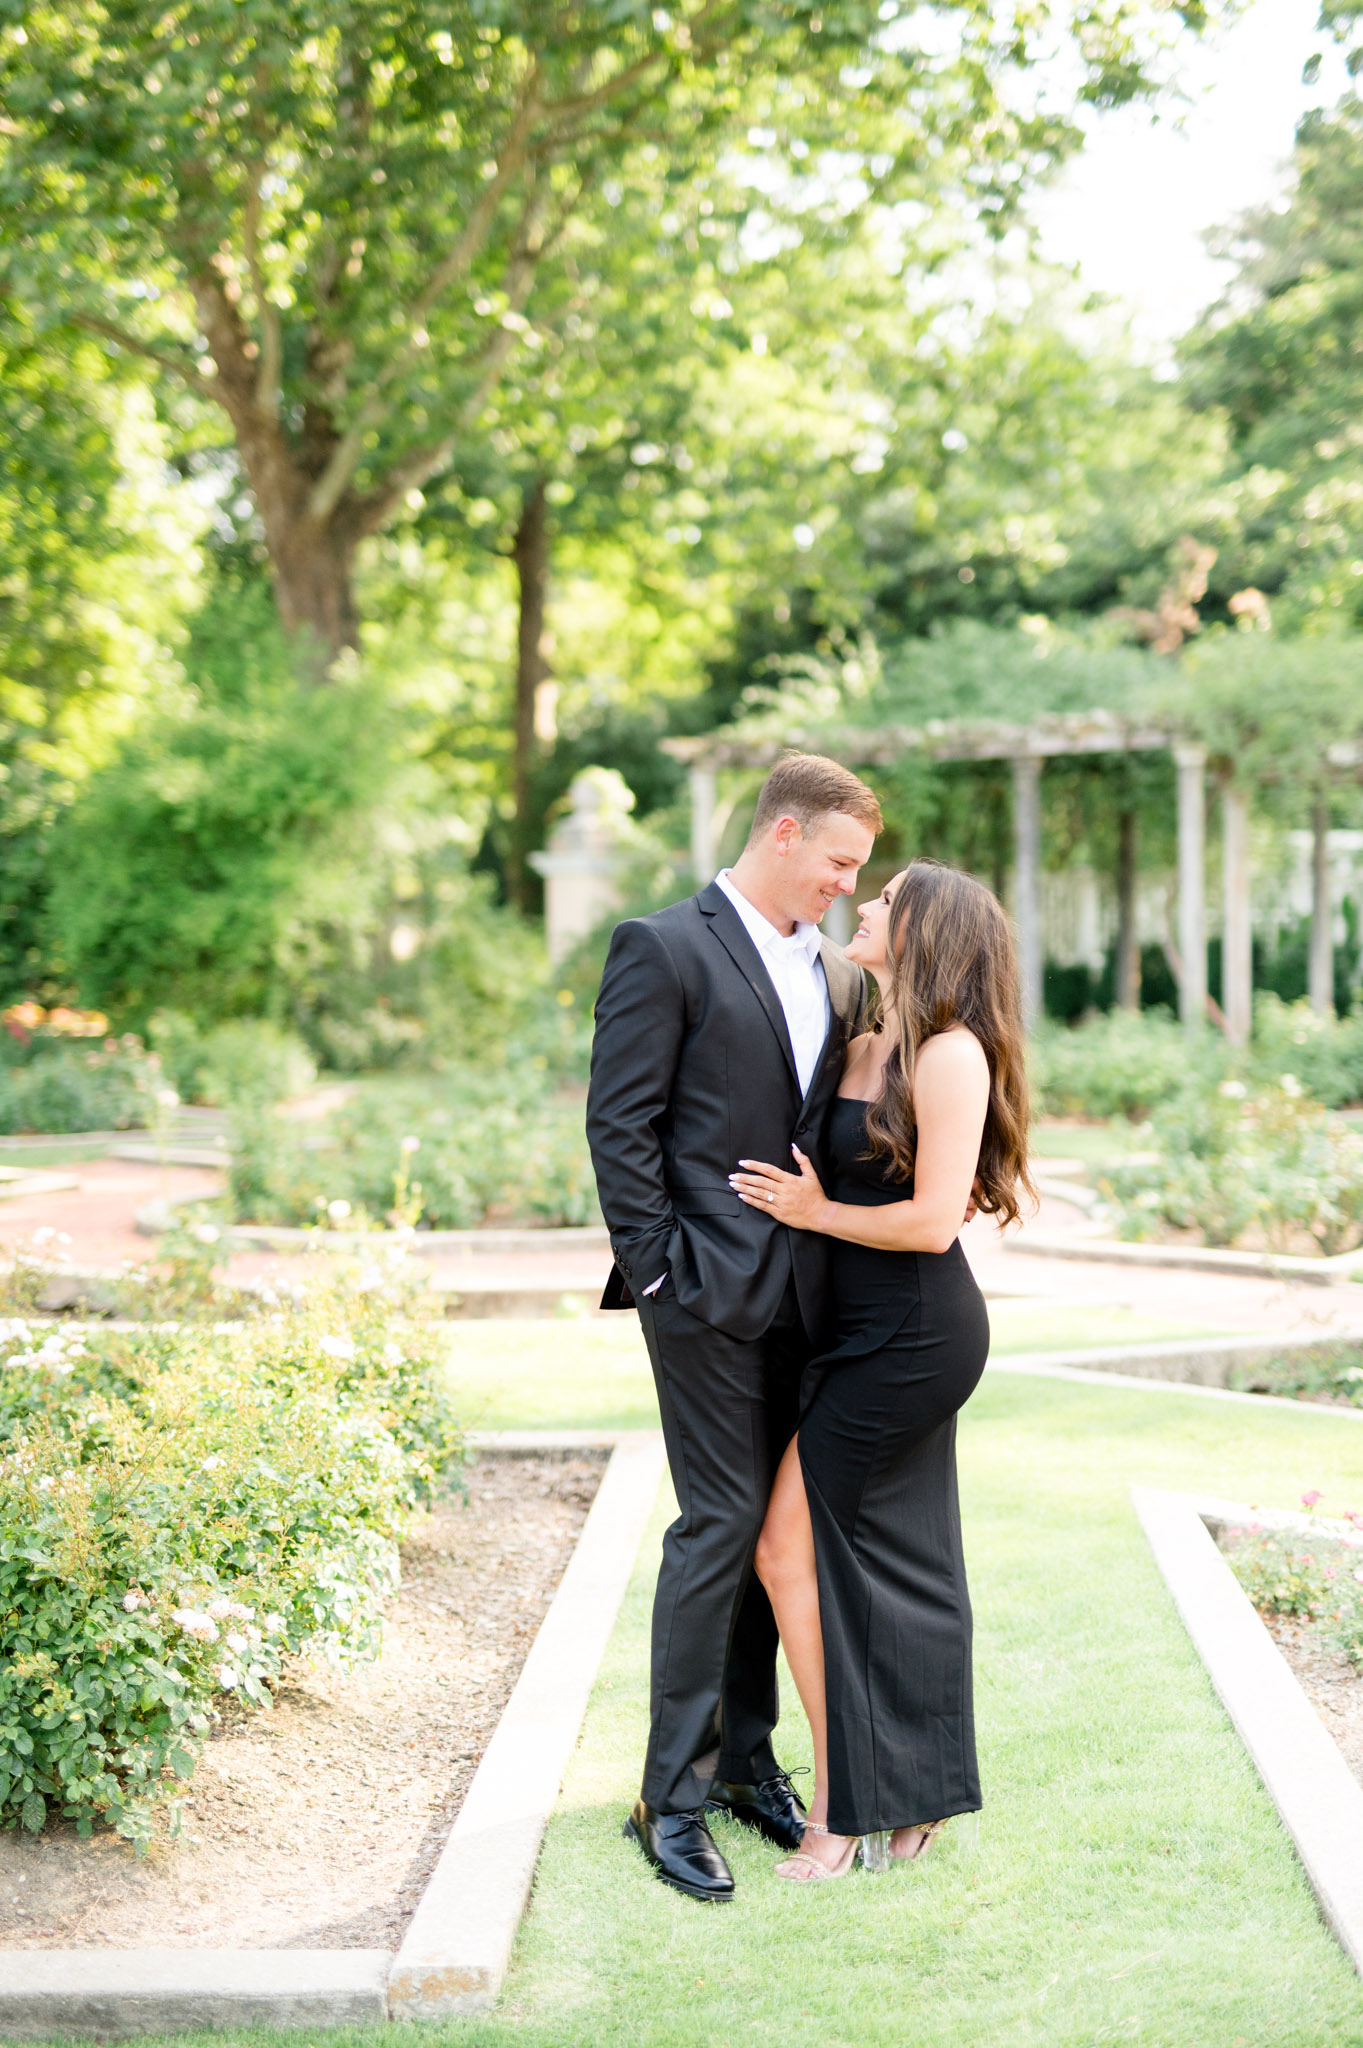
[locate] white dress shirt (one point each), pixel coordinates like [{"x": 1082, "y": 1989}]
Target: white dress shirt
[{"x": 797, "y": 975}]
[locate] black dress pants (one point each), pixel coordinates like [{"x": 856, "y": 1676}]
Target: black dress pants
[{"x": 729, "y": 1409}]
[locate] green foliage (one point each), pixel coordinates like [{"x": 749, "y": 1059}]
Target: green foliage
[
  {"x": 1324, "y": 1055},
  {"x": 1271, "y": 708},
  {"x": 98, "y": 547},
  {"x": 1123, "y": 1063},
  {"x": 1329, "y": 1371},
  {"x": 178, "y": 1513},
  {"x": 472, "y": 1147},
  {"x": 1313, "y": 1575},
  {"x": 81, "y": 1087},
  {"x": 1278, "y": 358},
  {"x": 1226, "y": 1160},
  {"x": 206, "y": 863},
  {"x": 289, "y": 207},
  {"x": 248, "y": 1061}
]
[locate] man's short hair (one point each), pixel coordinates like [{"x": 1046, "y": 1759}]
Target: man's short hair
[{"x": 807, "y": 787}]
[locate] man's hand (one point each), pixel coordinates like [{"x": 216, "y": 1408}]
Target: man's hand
[{"x": 795, "y": 1199}]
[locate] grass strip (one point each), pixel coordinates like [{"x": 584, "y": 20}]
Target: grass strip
[{"x": 592, "y": 1373}]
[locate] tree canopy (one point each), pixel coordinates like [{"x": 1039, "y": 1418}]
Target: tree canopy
[{"x": 336, "y": 221}]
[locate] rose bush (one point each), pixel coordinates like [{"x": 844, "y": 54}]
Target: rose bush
[
  {"x": 495, "y": 1145},
  {"x": 1232, "y": 1158},
  {"x": 1310, "y": 1574},
  {"x": 182, "y": 1509}
]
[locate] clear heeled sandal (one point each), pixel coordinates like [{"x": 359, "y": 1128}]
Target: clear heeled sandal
[{"x": 804, "y": 1869}]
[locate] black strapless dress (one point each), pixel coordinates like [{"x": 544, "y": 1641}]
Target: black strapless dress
[{"x": 878, "y": 1452}]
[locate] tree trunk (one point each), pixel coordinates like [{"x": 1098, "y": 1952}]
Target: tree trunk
[
  {"x": 314, "y": 582},
  {"x": 1128, "y": 950},
  {"x": 530, "y": 553}
]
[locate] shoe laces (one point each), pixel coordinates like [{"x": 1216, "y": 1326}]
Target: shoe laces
[{"x": 783, "y": 1780}]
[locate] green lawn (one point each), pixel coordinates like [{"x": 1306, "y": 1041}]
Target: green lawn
[
  {"x": 1095, "y": 1143},
  {"x": 1128, "y": 1880},
  {"x": 564, "y": 1373}
]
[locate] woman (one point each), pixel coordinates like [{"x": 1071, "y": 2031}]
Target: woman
[{"x": 860, "y": 1552}]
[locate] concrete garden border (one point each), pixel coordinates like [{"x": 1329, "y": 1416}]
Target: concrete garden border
[
  {"x": 1317, "y": 1796},
  {"x": 1195, "y": 1258},
  {"x": 458, "y": 1943},
  {"x": 1198, "y": 1361}
]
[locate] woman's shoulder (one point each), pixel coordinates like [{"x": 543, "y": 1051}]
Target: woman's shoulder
[{"x": 956, "y": 1051}]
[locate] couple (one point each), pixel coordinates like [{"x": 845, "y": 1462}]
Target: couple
[{"x": 784, "y": 1191}]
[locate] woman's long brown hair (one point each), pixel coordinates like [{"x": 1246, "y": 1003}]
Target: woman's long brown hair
[{"x": 951, "y": 951}]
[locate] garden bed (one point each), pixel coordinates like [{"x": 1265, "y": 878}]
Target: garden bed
[
  {"x": 316, "y": 1825},
  {"x": 1331, "y": 1683}
]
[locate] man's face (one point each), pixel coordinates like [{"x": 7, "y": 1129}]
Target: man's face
[{"x": 816, "y": 868}]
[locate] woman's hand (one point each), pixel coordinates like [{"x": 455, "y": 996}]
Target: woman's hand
[{"x": 795, "y": 1199}]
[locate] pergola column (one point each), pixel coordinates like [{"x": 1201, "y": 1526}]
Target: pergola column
[
  {"x": 702, "y": 825},
  {"x": 1321, "y": 964},
  {"x": 1027, "y": 879},
  {"x": 1192, "y": 885},
  {"x": 1128, "y": 941},
  {"x": 1237, "y": 943}
]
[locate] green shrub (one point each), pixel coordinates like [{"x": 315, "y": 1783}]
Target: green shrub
[
  {"x": 487, "y": 1145},
  {"x": 223, "y": 850},
  {"x": 179, "y": 1512},
  {"x": 81, "y": 1087},
  {"x": 1128, "y": 1063},
  {"x": 1325, "y": 1055},
  {"x": 1123, "y": 1063},
  {"x": 1225, "y": 1159},
  {"x": 1331, "y": 1371}
]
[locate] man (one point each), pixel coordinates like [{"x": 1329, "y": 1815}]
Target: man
[{"x": 720, "y": 1033}]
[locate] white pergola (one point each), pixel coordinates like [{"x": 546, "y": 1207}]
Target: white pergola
[{"x": 1027, "y": 748}]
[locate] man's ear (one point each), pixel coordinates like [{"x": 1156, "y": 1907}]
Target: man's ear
[{"x": 787, "y": 835}]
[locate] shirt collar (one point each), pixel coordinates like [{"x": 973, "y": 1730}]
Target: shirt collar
[{"x": 763, "y": 933}]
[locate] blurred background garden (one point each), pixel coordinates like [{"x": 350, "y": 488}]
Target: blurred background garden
[{"x": 423, "y": 445}]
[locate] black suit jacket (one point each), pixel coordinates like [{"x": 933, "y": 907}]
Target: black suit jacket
[{"x": 692, "y": 1070}]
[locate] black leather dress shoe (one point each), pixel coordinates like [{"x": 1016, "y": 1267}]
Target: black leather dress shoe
[
  {"x": 774, "y": 1808},
  {"x": 679, "y": 1848}
]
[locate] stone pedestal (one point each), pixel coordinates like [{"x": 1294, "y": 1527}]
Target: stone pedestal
[{"x": 584, "y": 861}]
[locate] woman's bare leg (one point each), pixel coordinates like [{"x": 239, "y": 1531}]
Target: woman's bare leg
[{"x": 786, "y": 1566}]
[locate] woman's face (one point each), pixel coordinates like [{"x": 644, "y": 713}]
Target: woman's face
[{"x": 868, "y": 944}]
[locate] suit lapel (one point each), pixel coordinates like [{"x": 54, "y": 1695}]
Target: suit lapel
[{"x": 728, "y": 928}]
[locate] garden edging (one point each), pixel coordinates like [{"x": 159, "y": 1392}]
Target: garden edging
[
  {"x": 1113, "y": 1251},
  {"x": 1317, "y": 1796},
  {"x": 1198, "y": 1361},
  {"x": 458, "y": 1943}
]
